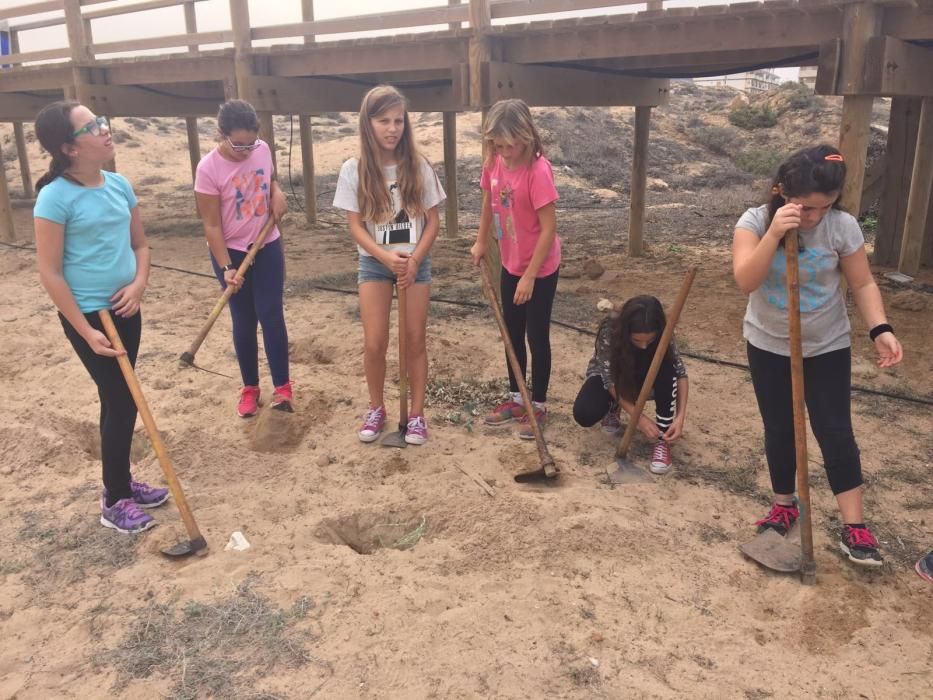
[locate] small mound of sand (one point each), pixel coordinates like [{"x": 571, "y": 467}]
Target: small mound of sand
[{"x": 279, "y": 431}]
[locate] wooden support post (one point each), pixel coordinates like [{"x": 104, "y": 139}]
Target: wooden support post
[
  {"x": 899, "y": 163},
  {"x": 450, "y": 173},
  {"x": 636, "y": 225},
  {"x": 7, "y": 232},
  {"x": 242, "y": 45},
  {"x": 306, "y": 136},
  {"x": 20, "y": 136},
  {"x": 921, "y": 184},
  {"x": 267, "y": 133},
  {"x": 307, "y": 168},
  {"x": 860, "y": 22},
  {"x": 191, "y": 123},
  {"x": 451, "y": 216}
]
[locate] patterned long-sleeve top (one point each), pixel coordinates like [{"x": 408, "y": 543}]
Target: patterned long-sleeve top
[{"x": 599, "y": 363}]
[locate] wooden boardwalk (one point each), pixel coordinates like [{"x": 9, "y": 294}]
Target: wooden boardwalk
[{"x": 465, "y": 56}]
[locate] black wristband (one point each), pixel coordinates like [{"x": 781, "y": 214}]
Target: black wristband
[
  {"x": 879, "y": 329},
  {"x": 228, "y": 267}
]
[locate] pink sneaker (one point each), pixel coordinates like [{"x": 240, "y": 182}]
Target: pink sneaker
[
  {"x": 373, "y": 422},
  {"x": 417, "y": 431},
  {"x": 282, "y": 397},
  {"x": 249, "y": 401},
  {"x": 661, "y": 459}
]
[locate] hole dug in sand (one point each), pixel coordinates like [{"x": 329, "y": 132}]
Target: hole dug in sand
[
  {"x": 365, "y": 533},
  {"x": 279, "y": 431}
]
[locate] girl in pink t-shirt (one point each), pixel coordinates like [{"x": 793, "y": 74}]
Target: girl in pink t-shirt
[
  {"x": 518, "y": 206},
  {"x": 236, "y": 193}
]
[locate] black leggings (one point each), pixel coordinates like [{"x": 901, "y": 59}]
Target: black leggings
[
  {"x": 594, "y": 401},
  {"x": 535, "y": 316},
  {"x": 117, "y": 408},
  {"x": 827, "y": 391}
]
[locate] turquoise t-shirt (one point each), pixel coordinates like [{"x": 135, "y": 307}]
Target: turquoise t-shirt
[{"x": 98, "y": 258}]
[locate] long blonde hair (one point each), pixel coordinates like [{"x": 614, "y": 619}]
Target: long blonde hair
[
  {"x": 375, "y": 200},
  {"x": 510, "y": 120}
]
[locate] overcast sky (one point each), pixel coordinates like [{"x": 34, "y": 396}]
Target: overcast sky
[{"x": 215, "y": 15}]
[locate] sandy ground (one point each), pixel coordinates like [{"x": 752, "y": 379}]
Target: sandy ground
[{"x": 571, "y": 590}]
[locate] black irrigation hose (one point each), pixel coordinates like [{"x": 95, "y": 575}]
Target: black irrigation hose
[{"x": 569, "y": 326}]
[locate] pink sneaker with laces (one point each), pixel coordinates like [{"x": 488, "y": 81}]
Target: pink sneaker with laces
[
  {"x": 249, "y": 401},
  {"x": 661, "y": 459},
  {"x": 373, "y": 422},
  {"x": 417, "y": 431}
]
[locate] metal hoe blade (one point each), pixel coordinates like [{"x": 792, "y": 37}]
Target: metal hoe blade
[
  {"x": 395, "y": 439},
  {"x": 773, "y": 551},
  {"x": 627, "y": 473},
  {"x": 183, "y": 549}
]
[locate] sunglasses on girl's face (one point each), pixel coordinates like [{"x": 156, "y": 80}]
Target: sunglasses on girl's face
[
  {"x": 93, "y": 127},
  {"x": 239, "y": 148}
]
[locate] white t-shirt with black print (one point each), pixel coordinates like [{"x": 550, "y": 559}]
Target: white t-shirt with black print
[
  {"x": 824, "y": 323},
  {"x": 399, "y": 233}
]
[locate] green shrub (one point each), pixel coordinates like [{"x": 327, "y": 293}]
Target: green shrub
[
  {"x": 750, "y": 118},
  {"x": 718, "y": 139},
  {"x": 759, "y": 161}
]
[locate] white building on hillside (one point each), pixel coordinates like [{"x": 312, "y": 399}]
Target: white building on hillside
[
  {"x": 808, "y": 76},
  {"x": 750, "y": 82}
]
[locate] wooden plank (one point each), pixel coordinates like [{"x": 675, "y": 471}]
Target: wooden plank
[
  {"x": 364, "y": 23},
  {"x": 639, "y": 182},
  {"x": 500, "y": 9},
  {"x": 314, "y": 95},
  {"x": 451, "y": 218},
  {"x": 921, "y": 186},
  {"x": 267, "y": 134},
  {"x": 828, "y": 68},
  {"x": 126, "y": 8},
  {"x": 34, "y": 8},
  {"x": 307, "y": 168},
  {"x": 191, "y": 123},
  {"x": 147, "y": 70},
  {"x": 899, "y": 160},
  {"x": 908, "y": 23},
  {"x": 126, "y": 101},
  {"x": 22, "y": 155},
  {"x": 543, "y": 86},
  {"x": 896, "y": 68},
  {"x": 349, "y": 59},
  {"x": 163, "y": 42},
  {"x": 45, "y": 55},
  {"x": 860, "y": 22},
  {"x": 242, "y": 45}
]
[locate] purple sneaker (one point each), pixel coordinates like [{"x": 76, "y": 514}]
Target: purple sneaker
[
  {"x": 417, "y": 431},
  {"x": 373, "y": 423},
  {"x": 125, "y": 516},
  {"x": 146, "y": 496}
]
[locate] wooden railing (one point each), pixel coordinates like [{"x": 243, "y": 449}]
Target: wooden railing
[{"x": 452, "y": 15}]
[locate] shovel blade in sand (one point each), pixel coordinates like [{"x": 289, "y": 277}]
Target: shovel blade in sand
[
  {"x": 627, "y": 473},
  {"x": 773, "y": 551}
]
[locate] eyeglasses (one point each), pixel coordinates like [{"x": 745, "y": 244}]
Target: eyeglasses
[
  {"x": 248, "y": 147},
  {"x": 93, "y": 127}
]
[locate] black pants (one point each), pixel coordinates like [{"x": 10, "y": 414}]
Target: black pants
[
  {"x": 534, "y": 316},
  {"x": 827, "y": 391},
  {"x": 117, "y": 408},
  {"x": 594, "y": 401}
]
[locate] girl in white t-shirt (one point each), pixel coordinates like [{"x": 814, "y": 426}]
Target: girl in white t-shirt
[
  {"x": 391, "y": 193},
  {"x": 805, "y": 196}
]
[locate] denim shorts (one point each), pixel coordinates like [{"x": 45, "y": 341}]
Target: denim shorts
[{"x": 371, "y": 270}]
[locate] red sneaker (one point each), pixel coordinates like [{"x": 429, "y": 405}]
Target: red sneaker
[
  {"x": 282, "y": 397},
  {"x": 249, "y": 401},
  {"x": 779, "y": 518},
  {"x": 860, "y": 546}
]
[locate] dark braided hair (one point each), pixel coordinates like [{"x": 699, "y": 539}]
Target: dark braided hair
[
  {"x": 641, "y": 314},
  {"x": 805, "y": 172},
  {"x": 54, "y": 129}
]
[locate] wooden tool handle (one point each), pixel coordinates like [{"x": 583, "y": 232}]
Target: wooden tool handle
[
  {"x": 647, "y": 386},
  {"x": 543, "y": 454},
  {"x": 164, "y": 461},
  {"x": 228, "y": 292},
  {"x": 791, "y": 252},
  {"x": 402, "y": 358}
]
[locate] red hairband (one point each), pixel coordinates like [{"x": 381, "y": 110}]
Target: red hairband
[{"x": 835, "y": 157}]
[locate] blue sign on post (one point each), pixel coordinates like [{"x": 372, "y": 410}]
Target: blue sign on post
[{"x": 5, "y": 48}]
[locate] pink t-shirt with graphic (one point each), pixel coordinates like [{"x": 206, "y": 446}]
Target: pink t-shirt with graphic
[
  {"x": 515, "y": 196},
  {"x": 244, "y": 189}
]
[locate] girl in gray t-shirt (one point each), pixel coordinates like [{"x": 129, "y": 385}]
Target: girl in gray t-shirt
[{"x": 805, "y": 196}]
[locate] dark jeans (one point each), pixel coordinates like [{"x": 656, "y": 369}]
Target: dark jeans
[
  {"x": 827, "y": 391},
  {"x": 534, "y": 316},
  {"x": 259, "y": 301},
  {"x": 593, "y": 401},
  {"x": 117, "y": 408}
]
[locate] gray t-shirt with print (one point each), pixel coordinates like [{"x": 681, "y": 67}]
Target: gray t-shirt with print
[
  {"x": 400, "y": 232},
  {"x": 824, "y": 322}
]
